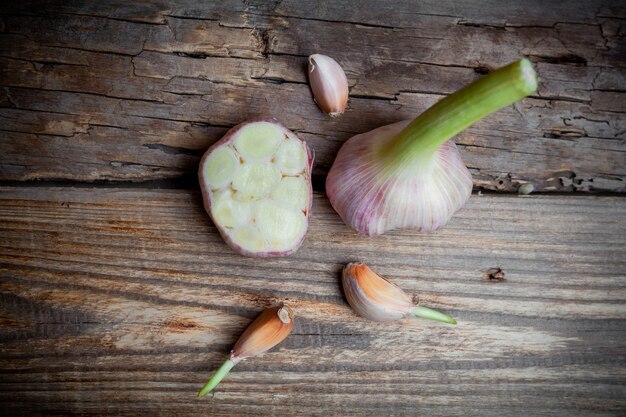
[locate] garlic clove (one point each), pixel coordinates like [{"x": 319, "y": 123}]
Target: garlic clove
[
  {"x": 329, "y": 84},
  {"x": 373, "y": 297},
  {"x": 270, "y": 328},
  {"x": 409, "y": 175},
  {"x": 265, "y": 332}
]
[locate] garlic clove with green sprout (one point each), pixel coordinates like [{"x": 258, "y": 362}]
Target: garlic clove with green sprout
[
  {"x": 329, "y": 84},
  {"x": 409, "y": 175},
  {"x": 373, "y": 297},
  {"x": 270, "y": 328}
]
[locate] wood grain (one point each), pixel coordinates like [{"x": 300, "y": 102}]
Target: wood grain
[
  {"x": 122, "y": 301},
  {"x": 118, "y": 91}
]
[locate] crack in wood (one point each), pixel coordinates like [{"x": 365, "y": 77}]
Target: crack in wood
[
  {"x": 174, "y": 150},
  {"x": 480, "y": 25},
  {"x": 277, "y": 80},
  {"x": 313, "y": 19},
  {"x": 87, "y": 94},
  {"x": 565, "y": 59},
  {"x": 139, "y": 21}
]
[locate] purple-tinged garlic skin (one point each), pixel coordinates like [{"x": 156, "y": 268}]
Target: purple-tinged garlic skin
[
  {"x": 373, "y": 196},
  {"x": 211, "y": 194},
  {"x": 329, "y": 84}
]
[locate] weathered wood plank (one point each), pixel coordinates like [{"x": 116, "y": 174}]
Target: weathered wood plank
[
  {"x": 121, "y": 301},
  {"x": 148, "y": 87},
  {"x": 405, "y": 13},
  {"x": 402, "y": 13}
]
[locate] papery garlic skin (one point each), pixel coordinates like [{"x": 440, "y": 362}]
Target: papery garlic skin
[
  {"x": 373, "y": 198},
  {"x": 329, "y": 84},
  {"x": 373, "y": 297}
]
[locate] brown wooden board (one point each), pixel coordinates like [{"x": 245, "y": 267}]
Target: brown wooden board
[
  {"x": 122, "y": 91},
  {"x": 122, "y": 301}
]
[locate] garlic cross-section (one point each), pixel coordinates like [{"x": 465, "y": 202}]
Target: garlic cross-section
[{"x": 256, "y": 186}]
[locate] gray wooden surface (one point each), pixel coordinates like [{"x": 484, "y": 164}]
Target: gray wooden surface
[{"x": 118, "y": 297}]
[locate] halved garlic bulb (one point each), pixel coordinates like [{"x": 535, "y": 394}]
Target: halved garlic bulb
[{"x": 256, "y": 184}]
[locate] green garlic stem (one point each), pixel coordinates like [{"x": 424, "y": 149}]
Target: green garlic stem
[
  {"x": 217, "y": 377},
  {"x": 429, "y": 313},
  {"x": 449, "y": 116}
]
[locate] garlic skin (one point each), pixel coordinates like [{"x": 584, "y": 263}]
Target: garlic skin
[
  {"x": 270, "y": 328},
  {"x": 373, "y": 297},
  {"x": 373, "y": 197},
  {"x": 329, "y": 84}
]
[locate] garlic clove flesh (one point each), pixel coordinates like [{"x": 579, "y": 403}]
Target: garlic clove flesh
[
  {"x": 256, "y": 186},
  {"x": 373, "y": 297},
  {"x": 328, "y": 84}
]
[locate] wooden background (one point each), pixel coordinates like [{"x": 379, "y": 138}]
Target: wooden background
[{"x": 118, "y": 297}]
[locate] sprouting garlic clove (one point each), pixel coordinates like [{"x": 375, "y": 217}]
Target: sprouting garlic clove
[
  {"x": 329, "y": 84},
  {"x": 265, "y": 332},
  {"x": 373, "y": 297},
  {"x": 269, "y": 329}
]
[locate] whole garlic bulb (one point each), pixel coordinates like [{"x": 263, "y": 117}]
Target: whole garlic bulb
[{"x": 409, "y": 175}]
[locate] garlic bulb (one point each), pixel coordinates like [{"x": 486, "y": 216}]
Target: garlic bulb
[
  {"x": 329, "y": 84},
  {"x": 256, "y": 184},
  {"x": 373, "y": 297},
  {"x": 373, "y": 197},
  {"x": 266, "y": 331},
  {"x": 409, "y": 175}
]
